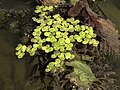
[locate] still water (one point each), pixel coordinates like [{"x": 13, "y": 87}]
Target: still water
[
  {"x": 111, "y": 8},
  {"x": 14, "y": 73}
]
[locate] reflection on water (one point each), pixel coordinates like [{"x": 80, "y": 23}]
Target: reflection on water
[{"x": 112, "y": 10}]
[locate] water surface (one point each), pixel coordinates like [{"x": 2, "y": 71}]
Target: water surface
[
  {"x": 112, "y": 10},
  {"x": 14, "y": 73}
]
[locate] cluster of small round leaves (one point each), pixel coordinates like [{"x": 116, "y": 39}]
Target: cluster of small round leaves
[
  {"x": 53, "y": 65},
  {"x": 20, "y": 50},
  {"x": 58, "y": 36},
  {"x": 62, "y": 55}
]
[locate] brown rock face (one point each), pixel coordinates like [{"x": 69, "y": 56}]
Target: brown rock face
[
  {"x": 109, "y": 34},
  {"x": 105, "y": 29}
]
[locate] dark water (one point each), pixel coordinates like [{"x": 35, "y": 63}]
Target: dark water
[
  {"x": 112, "y": 10},
  {"x": 16, "y": 4},
  {"x": 14, "y": 73}
]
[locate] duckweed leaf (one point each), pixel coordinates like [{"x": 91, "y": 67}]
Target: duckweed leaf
[
  {"x": 70, "y": 20},
  {"x": 35, "y": 45},
  {"x": 88, "y": 36},
  {"x": 94, "y": 35},
  {"x": 49, "y": 22},
  {"x": 77, "y": 28},
  {"x": 83, "y": 27},
  {"x": 71, "y": 37},
  {"x": 65, "y": 34},
  {"x": 61, "y": 41},
  {"x": 82, "y": 34},
  {"x": 50, "y": 49},
  {"x": 67, "y": 40},
  {"x": 61, "y": 56},
  {"x": 23, "y": 48},
  {"x": 86, "y": 41},
  {"x": 47, "y": 33},
  {"x": 62, "y": 48},
  {"x": 53, "y": 56},
  {"x": 28, "y": 48},
  {"x": 19, "y": 46},
  {"x": 57, "y": 62},
  {"x": 57, "y": 53},
  {"x": 67, "y": 55},
  {"x": 58, "y": 34},
  {"x": 56, "y": 16},
  {"x": 76, "y": 36},
  {"x": 69, "y": 46}
]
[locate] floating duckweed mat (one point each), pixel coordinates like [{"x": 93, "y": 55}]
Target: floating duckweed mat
[{"x": 63, "y": 48}]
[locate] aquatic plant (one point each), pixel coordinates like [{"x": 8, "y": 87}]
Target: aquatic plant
[
  {"x": 83, "y": 71},
  {"x": 56, "y": 36}
]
